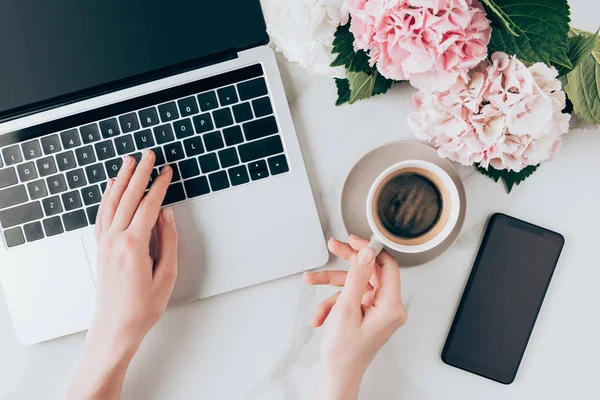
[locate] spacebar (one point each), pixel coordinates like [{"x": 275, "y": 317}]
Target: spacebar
[{"x": 21, "y": 214}]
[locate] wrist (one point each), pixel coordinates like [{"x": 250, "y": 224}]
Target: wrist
[
  {"x": 340, "y": 384},
  {"x": 110, "y": 349}
]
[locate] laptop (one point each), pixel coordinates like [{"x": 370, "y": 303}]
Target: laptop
[{"x": 84, "y": 83}]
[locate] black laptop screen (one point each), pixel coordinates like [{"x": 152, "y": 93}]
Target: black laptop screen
[{"x": 54, "y": 49}]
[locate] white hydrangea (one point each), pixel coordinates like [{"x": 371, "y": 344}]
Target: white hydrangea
[{"x": 303, "y": 31}]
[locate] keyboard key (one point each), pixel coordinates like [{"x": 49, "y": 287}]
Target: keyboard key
[
  {"x": 105, "y": 150},
  {"x": 137, "y": 157},
  {"x": 8, "y": 177},
  {"x": 278, "y": 165},
  {"x": 149, "y": 117},
  {"x": 189, "y": 168},
  {"x": 193, "y": 146},
  {"x": 66, "y": 160},
  {"x": 262, "y": 107},
  {"x": 174, "y": 194},
  {"x": 144, "y": 139},
  {"x": 51, "y": 144},
  {"x": 14, "y": 237},
  {"x": 208, "y": 163},
  {"x": 228, "y": 158},
  {"x": 70, "y": 139},
  {"x": 71, "y": 200},
  {"x": 21, "y": 214},
  {"x": 160, "y": 156},
  {"x": 238, "y": 175},
  {"x": 188, "y": 106},
  {"x": 223, "y": 117},
  {"x": 153, "y": 176},
  {"x": 176, "y": 176},
  {"x": 213, "y": 141},
  {"x": 174, "y": 152},
  {"x": 74, "y": 220},
  {"x": 233, "y": 135},
  {"x": 12, "y": 155},
  {"x": 218, "y": 181},
  {"x": 203, "y": 123},
  {"x": 85, "y": 156},
  {"x": 52, "y": 206},
  {"x": 92, "y": 213},
  {"x": 227, "y": 95},
  {"x": 164, "y": 134},
  {"x": 33, "y": 231},
  {"x": 124, "y": 144},
  {"x": 113, "y": 166},
  {"x": 251, "y": 89},
  {"x": 109, "y": 128},
  {"x": 196, "y": 187},
  {"x": 258, "y": 170},
  {"x": 76, "y": 178},
  {"x": 183, "y": 128},
  {"x": 37, "y": 189},
  {"x": 90, "y": 133},
  {"x": 13, "y": 196},
  {"x": 129, "y": 122},
  {"x": 242, "y": 112},
  {"x": 168, "y": 112},
  {"x": 91, "y": 195},
  {"x": 46, "y": 166},
  {"x": 27, "y": 171},
  {"x": 95, "y": 173},
  {"x": 1, "y": 165},
  {"x": 208, "y": 101},
  {"x": 56, "y": 184},
  {"x": 260, "y": 128},
  {"x": 53, "y": 226},
  {"x": 260, "y": 148},
  {"x": 32, "y": 150}
]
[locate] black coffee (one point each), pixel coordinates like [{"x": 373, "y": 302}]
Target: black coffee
[{"x": 409, "y": 205}]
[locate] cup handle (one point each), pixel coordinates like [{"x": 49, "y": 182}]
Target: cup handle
[{"x": 375, "y": 245}]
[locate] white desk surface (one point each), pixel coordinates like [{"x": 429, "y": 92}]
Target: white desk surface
[{"x": 256, "y": 343}]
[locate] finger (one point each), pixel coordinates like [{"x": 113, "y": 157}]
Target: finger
[
  {"x": 358, "y": 277},
  {"x": 333, "y": 278},
  {"x": 389, "y": 281},
  {"x": 116, "y": 192},
  {"x": 100, "y": 210},
  {"x": 165, "y": 267},
  {"x": 357, "y": 243},
  {"x": 134, "y": 192},
  {"x": 147, "y": 213},
  {"x": 340, "y": 249},
  {"x": 324, "y": 310}
]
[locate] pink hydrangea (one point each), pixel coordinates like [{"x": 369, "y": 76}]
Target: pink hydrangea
[
  {"x": 502, "y": 114},
  {"x": 429, "y": 42}
]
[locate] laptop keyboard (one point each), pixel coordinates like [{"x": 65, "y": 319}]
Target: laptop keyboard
[{"x": 216, "y": 133}]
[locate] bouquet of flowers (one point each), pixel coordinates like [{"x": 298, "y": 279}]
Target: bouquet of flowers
[{"x": 497, "y": 81}]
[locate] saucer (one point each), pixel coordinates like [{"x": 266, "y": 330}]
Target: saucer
[{"x": 358, "y": 182}]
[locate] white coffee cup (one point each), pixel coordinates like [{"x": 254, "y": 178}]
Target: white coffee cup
[{"x": 438, "y": 232}]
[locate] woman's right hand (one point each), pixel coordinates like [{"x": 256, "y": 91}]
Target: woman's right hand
[{"x": 360, "y": 319}]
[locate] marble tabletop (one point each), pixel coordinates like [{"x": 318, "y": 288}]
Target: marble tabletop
[{"x": 257, "y": 343}]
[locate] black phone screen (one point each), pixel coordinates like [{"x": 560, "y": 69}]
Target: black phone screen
[{"x": 502, "y": 298}]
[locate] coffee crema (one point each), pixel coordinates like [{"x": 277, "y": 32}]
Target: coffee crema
[{"x": 409, "y": 206}]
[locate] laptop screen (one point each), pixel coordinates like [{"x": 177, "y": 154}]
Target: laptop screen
[{"x": 52, "y": 50}]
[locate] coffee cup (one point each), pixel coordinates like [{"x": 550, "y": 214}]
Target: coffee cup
[{"x": 412, "y": 207}]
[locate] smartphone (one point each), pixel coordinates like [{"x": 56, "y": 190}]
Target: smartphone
[{"x": 502, "y": 298}]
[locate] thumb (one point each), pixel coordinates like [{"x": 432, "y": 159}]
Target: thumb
[
  {"x": 165, "y": 267},
  {"x": 358, "y": 276}
]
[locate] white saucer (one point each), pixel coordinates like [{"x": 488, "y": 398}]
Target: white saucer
[{"x": 356, "y": 188}]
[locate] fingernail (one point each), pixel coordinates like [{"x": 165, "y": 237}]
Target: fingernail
[
  {"x": 165, "y": 169},
  {"x": 127, "y": 161},
  {"x": 167, "y": 215},
  {"x": 145, "y": 154},
  {"x": 365, "y": 255}
]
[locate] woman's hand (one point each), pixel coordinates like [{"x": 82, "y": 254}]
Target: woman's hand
[
  {"x": 360, "y": 319},
  {"x": 133, "y": 289}
]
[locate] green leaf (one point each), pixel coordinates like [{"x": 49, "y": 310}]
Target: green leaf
[
  {"x": 382, "y": 84},
  {"x": 343, "y": 91},
  {"x": 343, "y": 46},
  {"x": 582, "y": 85},
  {"x": 499, "y": 17},
  {"x": 361, "y": 85},
  {"x": 580, "y": 46},
  {"x": 542, "y": 26},
  {"x": 510, "y": 178}
]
